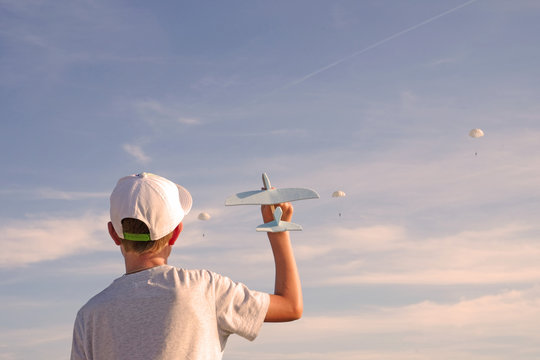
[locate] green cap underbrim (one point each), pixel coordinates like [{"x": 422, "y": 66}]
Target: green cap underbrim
[{"x": 137, "y": 237}]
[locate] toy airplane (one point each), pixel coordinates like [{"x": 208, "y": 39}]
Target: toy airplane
[
  {"x": 269, "y": 196},
  {"x": 277, "y": 225}
]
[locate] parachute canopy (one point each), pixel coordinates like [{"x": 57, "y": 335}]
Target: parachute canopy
[
  {"x": 204, "y": 216},
  {"x": 476, "y": 133},
  {"x": 338, "y": 193}
]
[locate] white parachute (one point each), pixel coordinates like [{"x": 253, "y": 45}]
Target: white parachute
[
  {"x": 476, "y": 133},
  {"x": 204, "y": 216},
  {"x": 339, "y": 194}
]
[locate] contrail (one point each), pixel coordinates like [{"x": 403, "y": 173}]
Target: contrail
[{"x": 372, "y": 46}]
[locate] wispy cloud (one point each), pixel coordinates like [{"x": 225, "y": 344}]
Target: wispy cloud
[
  {"x": 444, "y": 61},
  {"x": 494, "y": 326},
  {"x": 53, "y": 194},
  {"x": 69, "y": 195},
  {"x": 214, "y": 82},
  {"x": 283, "y": 132},
  {"x": 409, "y": 217},
  {"x": 137, "y": 152},
  {"x": 155, "y": 112},
  {"x": 189, "y": 121},
  {"x": 415, "y": 172},
  {"x": 34, "y": 240},
  {"x": 35, "y": 340},
  {"x": 378, "y": 43},
  {"x": 390, "y": 255},
  {"x": 163, "y": 119},
  {"x": 382, "y": 254}
]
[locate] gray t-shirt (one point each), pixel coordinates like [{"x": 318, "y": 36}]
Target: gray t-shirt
[{"x": 167, "y": 313}]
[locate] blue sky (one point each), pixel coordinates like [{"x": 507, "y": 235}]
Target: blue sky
[{"x": 435, "y": 254}]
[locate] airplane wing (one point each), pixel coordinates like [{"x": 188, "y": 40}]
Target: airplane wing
[
  {"x": 283, "y": 226},
  {"x": 272, "y": 196},
  {"x": 277, "y": 225}
]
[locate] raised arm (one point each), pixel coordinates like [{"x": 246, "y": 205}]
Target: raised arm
[{"x": 286, "y": 303}]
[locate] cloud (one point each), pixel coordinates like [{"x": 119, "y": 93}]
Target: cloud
[
  {"x": 137, "y": 152},
  {"x": 492, "y": 326},
  {"x": 53, "y": 194},
  {"x": 159, "y": 113},
  {"x": 377, "y": 44},
  {"x": 506, "y": 253},
  {"x": 43, "y": 239},
  {"x": 214, "y": 82},
  {"x": 444, "y": 61},
  {"x": 371, "y": 255},
  {"x": 282, "y": 132},
  {"x": 409, "y": 217},
  {"x": 54, "y": 340},
  {"x": 427, "y": 171},
  {"x": 188, "y": 121}
]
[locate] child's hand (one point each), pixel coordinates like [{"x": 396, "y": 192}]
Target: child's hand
[{"x": 268, "y": 212}]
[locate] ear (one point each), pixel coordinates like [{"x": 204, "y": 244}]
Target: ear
[
  {"x": 113, "y": 234},
  {"x": 176, "y": 232}
]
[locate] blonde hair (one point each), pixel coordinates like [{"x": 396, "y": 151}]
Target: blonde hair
[{"x": 134, "y": 226}]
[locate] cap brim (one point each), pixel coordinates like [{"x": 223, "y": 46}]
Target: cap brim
[{"x": 185, "y": 199}]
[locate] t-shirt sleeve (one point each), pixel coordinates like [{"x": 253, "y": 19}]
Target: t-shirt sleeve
[
  {"x": 239, "y": 310},
  {"x": 77, "y": 346}
]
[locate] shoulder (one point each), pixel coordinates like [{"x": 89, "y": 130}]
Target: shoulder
[
  {"x": 197, "y": 278},
  {"x": 100, "y": 299},
  {"x": 193, "y": 274}
]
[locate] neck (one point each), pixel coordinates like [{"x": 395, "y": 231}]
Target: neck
[
  {"x": 136, "y": 262},
  {"x": 140, "y": 266}
]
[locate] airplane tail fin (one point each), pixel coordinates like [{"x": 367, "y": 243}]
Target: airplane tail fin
[
  {"x": 277, "y": 225},
  {"x": 266, "y": 181}
]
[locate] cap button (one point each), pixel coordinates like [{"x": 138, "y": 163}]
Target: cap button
[{"x": 143, "y": 175}]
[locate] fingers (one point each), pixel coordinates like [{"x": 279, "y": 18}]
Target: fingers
[
  {"x": 268, "y": 211},
  {"x": 287, "y": 209}
]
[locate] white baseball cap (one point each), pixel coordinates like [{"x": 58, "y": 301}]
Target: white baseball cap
[{"x": 152, "y": 199}]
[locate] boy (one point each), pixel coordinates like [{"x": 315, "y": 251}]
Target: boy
[{"x": 156, "y": 311}]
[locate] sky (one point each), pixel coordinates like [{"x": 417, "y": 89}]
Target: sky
[{"x": 433, "y": 253}]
